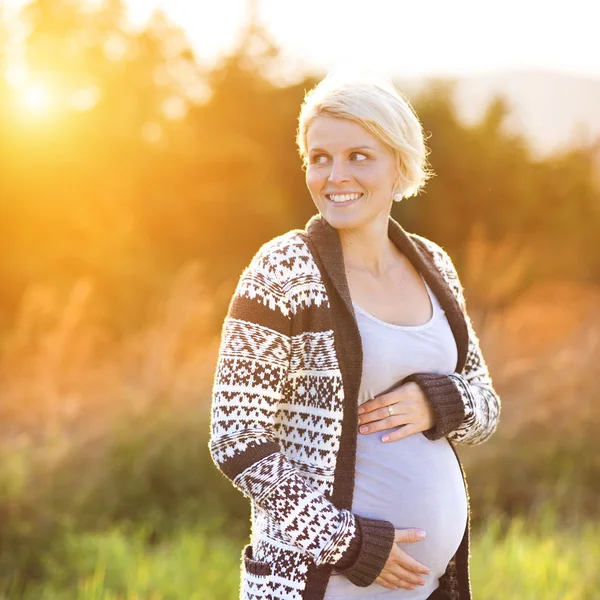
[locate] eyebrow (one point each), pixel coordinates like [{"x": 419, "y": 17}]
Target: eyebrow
[{"x": 353, "y": 149}]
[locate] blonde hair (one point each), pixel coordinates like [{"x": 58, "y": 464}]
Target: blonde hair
[{"x": 374, "y": 103}]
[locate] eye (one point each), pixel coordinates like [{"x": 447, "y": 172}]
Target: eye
[
  {"x": 318, "y": 159},
  {"x": 358, "y": 156}
]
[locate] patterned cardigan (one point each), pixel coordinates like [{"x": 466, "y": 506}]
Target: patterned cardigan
[{"x": 284, "y": 412}]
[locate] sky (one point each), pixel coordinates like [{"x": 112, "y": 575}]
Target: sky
[
  {"x": 420, "y": 38},
  {"x": 400, "y": 38}
]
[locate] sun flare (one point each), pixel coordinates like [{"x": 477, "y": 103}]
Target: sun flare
[{"x": 37, "y": 98}]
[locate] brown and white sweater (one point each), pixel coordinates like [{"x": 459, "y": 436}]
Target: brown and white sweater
[{"x": 284, "y": 412}]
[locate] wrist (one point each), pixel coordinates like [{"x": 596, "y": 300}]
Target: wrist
[
  {"x": 377, "y": 539},
  {"x": 445, "y": 401}
]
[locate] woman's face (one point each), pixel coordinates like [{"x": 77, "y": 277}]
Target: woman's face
[{"x": 350, "y": 173}]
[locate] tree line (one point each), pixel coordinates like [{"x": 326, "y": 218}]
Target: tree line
[{"x": 148, "y": 160}]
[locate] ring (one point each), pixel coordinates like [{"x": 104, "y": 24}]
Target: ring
[{"x": 390, "y": 409}]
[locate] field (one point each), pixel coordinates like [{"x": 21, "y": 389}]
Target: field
[
  {"x": 528, "y": 561},
  {"x": 107, "y": 489}
]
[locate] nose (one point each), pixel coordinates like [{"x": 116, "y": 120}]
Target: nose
[{"x": 338, "y": 173}]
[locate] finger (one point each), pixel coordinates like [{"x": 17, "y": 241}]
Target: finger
[
  {"x": 381, "y": 424},
  {"x": 369, "y": 405},
  {"x": 410, "y": 534},
  {"x": 384, "y": 583},
  {"x": 401, "y": 433},
  {"x": 397, "y": 570},
  {"x": 393, "y": 583},
  {"x": 381, "y": 401},
  {"x": 408, "y": 562},
  {"x": 384, "y": 413}
]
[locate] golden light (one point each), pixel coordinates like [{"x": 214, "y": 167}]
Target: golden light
[
  {"x": 16, "y": 75},
  {"x": 36, "y": 97}
]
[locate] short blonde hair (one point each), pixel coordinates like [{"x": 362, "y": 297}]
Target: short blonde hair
[{"x": 374, "y": 103}]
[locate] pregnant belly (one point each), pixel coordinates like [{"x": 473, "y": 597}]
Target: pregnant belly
[{"x": 413, "y": 482}]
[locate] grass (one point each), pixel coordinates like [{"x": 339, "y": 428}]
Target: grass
[
  {"x": 117, "y": 565},
  {"x": 524, "y": 561},
  {"x": 538, "y": 562}
]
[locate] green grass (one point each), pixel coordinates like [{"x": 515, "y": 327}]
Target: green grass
[
  {"x": 194, "y": 565},
  {"x": 536, "y": 562},
  {"x": 525, "y": 561}
]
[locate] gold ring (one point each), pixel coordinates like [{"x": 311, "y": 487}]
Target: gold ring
[{"x": 390, "y": 410}]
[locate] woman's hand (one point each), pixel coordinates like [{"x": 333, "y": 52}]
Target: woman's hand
[
  {"x": 410, "y": 410},
  {"x": 401, "y": 569}
]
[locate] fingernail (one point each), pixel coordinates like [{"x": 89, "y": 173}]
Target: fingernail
[
  {"x": 421, "y": 534},
  {"x": 361, "y": 410},
  {"x": 364, "y": 429},
  {"x": 385, "y": 438}
]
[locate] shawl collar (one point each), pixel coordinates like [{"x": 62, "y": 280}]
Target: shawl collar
[{"x": 327, "y": 243}]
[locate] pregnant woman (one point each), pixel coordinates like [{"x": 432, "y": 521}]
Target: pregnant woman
[{"x": 348, "y": 367}]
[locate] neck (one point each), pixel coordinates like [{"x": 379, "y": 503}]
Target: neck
[{"x": 367, "y": 249}]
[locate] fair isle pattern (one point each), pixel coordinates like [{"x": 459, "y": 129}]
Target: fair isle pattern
[
  {"x": 281, "y": 558},
  {"x": 256, "y": 402},
  {"x": 277, "y": 413},
  {"x": 252, "y": 367},
  {"x": 294, "y": 265},
  {"x": 306, "y": 518},
  {"x": 482, "y": 404},
  {"x": 313, "y": 352}
]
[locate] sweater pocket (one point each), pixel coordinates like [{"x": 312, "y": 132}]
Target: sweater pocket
[{"x": 255, "y": 576}]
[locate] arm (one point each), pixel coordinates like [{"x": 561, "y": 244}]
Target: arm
[
  {"x": 466, "y": 406},
  {"x": 249, "y": 385}
]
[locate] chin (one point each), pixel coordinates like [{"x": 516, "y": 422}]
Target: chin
[{"x": 341, "y": 219}]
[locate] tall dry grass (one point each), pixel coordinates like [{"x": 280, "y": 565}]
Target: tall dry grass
[
  {"x": 97, "y": 427},
  {"x": 541, "y": 340},
  {"x": 61, "y": 367}
]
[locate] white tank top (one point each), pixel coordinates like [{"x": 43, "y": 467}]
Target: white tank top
[{"x": 413, "y": 482}]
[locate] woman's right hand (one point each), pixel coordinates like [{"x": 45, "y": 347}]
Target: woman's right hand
[{"x": 401, "y": 569}]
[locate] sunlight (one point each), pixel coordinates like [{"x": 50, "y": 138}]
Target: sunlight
[
  {"x": 213, "y": 28},
  {"x": 29, "y": 92},
  {"x": 16, "y": 75},
  {"x": 37, "y": 98}
]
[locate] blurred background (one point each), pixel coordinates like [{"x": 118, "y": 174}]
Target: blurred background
[{"x": 147, "y": 151}]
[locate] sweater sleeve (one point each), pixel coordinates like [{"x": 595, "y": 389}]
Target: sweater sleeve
[
  {"x": 250, "y": 379},
  {"x": 466, "y": 406}
]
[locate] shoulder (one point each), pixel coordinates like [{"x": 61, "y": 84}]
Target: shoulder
[
  {"x": 285, "y": 269},
  {"x": 284, "y": 259},
  {"x": 260, "y": 285},
  {"x": 439, "y": 255},
  {"x": 437, "y": 252},
  {"x": 442, "y": 261}
]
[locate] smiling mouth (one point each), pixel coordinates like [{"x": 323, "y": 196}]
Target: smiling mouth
[{"x": 343, "y": 198}]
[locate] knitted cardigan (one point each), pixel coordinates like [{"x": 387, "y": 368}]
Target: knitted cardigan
[{"x": 284, "y": 412}]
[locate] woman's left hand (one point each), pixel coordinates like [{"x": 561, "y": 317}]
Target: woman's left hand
[{"x": 410, "y": 410}]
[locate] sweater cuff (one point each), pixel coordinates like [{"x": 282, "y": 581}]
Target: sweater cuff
[
  {"x": 370, "y": 550},
  {"x": 444, "y": 398}
]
